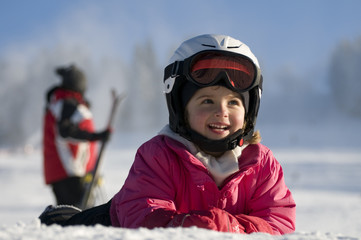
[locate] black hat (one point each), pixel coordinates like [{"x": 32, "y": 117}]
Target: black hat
[{"x": 72, "y": 78}]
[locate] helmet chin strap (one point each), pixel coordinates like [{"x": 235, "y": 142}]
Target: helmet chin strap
[{"x": 222, "y": 145}]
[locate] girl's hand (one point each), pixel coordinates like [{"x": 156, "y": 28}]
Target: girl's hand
[{"x": 213, "y": 219}]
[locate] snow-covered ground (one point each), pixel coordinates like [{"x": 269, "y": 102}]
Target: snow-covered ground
[{"x": 326, "y": 184}]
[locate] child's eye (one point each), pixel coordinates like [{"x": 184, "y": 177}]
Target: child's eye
[
  {"x": 207, "y": 101},
  {"x": 234, "y": 102}
]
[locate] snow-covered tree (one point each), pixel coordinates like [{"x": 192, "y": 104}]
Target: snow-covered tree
[
  {"x": 143, "y": 108},
  {"x": 345, "y": 76}
]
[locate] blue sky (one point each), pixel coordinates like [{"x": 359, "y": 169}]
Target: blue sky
[
  {"x": 296, "y": 35},
  {"x": 272, "y": 27},
  {"x": 293, "y": 41}
]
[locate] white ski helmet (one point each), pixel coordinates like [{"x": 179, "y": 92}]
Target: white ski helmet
[{"x": 208, "y": 60}]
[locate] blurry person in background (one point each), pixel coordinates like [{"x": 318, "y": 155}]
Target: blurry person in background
[{"x": 69, "y": 138}]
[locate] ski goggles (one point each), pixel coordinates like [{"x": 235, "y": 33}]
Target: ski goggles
[{"x": 208, "y": 67}]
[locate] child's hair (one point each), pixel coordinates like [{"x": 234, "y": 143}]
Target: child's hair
[{"x": 256, "y": 138}]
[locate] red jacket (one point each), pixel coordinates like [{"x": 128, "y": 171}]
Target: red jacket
[
  {"x": 65, "y": 157},
  {"x": 168, "y": 187}
]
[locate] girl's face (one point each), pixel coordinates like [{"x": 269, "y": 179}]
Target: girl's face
[{"x": 215, "y": 112}]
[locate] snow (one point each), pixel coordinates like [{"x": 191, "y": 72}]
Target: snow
[
  {"x": 37, "y": 231},
  {"x": 324, "y": 181}
]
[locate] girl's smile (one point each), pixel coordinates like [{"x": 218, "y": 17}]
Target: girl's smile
[{"x": 215, "y": 112}]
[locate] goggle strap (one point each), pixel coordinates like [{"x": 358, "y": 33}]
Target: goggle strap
[{"x": 173, "y": 70}]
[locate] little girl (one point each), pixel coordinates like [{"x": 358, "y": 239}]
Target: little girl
[{"x": 207, "y": 168}]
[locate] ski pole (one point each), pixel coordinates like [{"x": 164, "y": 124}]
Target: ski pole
[{"x": 116, "y": 99}]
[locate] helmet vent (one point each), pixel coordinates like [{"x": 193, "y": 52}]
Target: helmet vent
[
  {"x": 207, "y": 45},
  {"x": 230, "y": 47}
]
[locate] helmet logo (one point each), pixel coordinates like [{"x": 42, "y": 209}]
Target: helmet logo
[{"x": 168, "y": 85}]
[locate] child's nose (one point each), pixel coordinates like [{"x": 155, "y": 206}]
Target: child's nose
[{"x": 221, "y": 111}]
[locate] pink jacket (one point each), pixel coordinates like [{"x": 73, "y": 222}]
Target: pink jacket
[{"x": 166, "y": 176}]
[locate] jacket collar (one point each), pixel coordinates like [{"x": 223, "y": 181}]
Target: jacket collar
[{"x": 220, "y": 168}]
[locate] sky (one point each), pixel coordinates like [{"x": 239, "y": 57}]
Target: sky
[
  {"x": 293, "y": 40},
  {"x": 296, "y": 34}
]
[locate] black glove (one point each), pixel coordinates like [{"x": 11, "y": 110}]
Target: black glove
[{"x": 103, "y": 136}]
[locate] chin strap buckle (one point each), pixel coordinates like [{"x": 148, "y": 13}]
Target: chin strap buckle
[
  {"x": 233, "y": 144},
  {"x": 238, "y": 141}
]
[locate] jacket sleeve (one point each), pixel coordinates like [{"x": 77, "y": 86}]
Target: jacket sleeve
[
  {"x": 148, "y": 187},
  {"x": 75, "y": 130},
  {"x": 271, "y": 200},
  {"x": 213, "y": 219}
]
